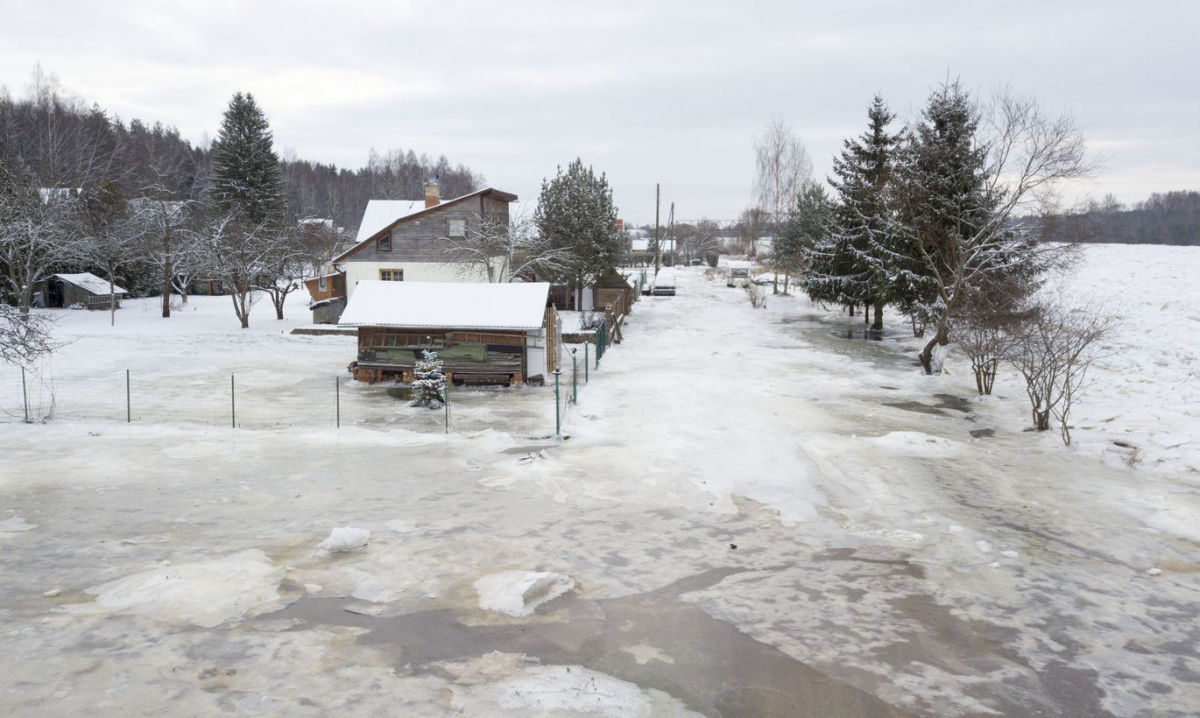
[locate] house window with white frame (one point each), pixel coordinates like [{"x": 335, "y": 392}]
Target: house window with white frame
[
  {"x": 457, "y": 228},
  {"x": 391, "y": 275}
]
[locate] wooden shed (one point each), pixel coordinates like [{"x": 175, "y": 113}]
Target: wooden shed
[
  {"x": 484, "y": 333},
  {"x": 84, "y": 288}
]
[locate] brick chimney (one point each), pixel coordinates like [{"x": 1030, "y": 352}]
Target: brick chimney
[{"x": 433, "y": 195}]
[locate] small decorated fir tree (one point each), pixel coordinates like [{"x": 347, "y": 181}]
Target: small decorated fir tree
[{"x": 429, "y": 389}]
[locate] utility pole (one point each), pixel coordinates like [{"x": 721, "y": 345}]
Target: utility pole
[{"x": 657, "y": 254}]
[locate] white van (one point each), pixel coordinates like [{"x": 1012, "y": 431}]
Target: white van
[
  {"x": 737, "y": 274},
  {"x": 664, "y": 283}
]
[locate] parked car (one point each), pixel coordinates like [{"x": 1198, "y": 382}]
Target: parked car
[{"x": 664, "y": 283}]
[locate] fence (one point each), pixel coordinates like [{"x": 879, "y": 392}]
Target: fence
[{"x": 258, "y": 400}]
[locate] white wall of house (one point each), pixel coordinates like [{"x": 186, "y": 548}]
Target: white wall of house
[{"x": 413, "y": 272}]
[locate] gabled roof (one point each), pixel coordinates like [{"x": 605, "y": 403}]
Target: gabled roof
[
  {"x": 90, "y": 283},
  {"x": 447, "y": 305},
  {"x": 380, "y": 213},
  {"x": 382, "y": 223}
]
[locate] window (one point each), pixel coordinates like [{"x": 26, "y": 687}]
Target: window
[
  {"x": 458, "y": 228},
  {"x": 391, "y": 275},
  {"x": 384, "y": 243}
]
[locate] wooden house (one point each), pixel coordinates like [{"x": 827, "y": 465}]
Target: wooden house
[
  {"x": 84, "y": 288},
  {"x": 486, "y": 333},
  {"x": 403, "y": 241}
]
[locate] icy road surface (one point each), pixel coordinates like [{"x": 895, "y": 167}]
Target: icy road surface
[{"x": 758, "y": 513}]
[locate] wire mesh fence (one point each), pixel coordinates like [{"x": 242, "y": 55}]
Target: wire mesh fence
[{"x": 264, "y": 400}]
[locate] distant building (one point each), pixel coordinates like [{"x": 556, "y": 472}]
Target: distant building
[{"x": 84, "y": 289}]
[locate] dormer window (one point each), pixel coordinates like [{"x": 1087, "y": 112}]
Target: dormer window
[
  {"x": 384, "y": 243},
  {"x": 457, "y": 228}
]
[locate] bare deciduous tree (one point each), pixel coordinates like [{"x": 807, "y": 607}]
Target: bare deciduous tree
[
  {"x": 35, "y": 237},
  {"x": 23, "y": 337},
  {"x": 782, "y": 170},
  {"x": 234, "y": 251},
  {"x": 505, "y": 248},
  {"x": 1054, "y": 354}
]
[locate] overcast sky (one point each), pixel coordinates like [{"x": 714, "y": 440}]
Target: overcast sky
[{"x": 670, "y": 92}]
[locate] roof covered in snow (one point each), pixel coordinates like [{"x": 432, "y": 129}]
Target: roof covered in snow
[
  {"x": 643, "y": 245},
  {"x": 382, "y": 212},
  {"x": 447, "y": 305},
  {"x": 90, "y": 283}
]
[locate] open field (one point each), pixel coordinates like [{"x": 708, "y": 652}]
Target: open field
[{"x": 758, "y": 512}]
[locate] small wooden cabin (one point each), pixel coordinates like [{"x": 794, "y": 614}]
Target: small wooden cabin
[
  {"x": 484, "y": 333},
  {"x": 85, "y": 288}
]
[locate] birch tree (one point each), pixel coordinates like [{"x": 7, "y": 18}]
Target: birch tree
[{"x": 782, "y": 169}]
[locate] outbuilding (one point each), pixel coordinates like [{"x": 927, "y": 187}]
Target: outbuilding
[
  {"x": 494, "y": 333},
  {"x": 84, "y": 289}
]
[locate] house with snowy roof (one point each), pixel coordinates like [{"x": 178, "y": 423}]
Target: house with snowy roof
[
  {"x": 406, "y": 241},
  {"x": 401, "y": 240},
  {"x": 485, "y": 333}
]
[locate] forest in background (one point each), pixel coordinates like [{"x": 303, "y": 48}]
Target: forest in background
[
  {"x": 60, "y": 140},
  {"x": 1169, "y": 218}
]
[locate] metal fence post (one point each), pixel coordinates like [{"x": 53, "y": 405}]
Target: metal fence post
[
  {"x": 232, "y": 404},
  {"x": 446, "y": 402},
  {"x": 557, "y": 407},
  {"x": 574, "y": 379},
  {"x": 337, "y": 399},
  {"x": 128, "y": 404},
  {"x": 585, "y": 364},
  {"x": 25, "y": 395}
]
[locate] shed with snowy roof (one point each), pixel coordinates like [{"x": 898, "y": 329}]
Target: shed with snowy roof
[
  {"x": 82, "y": 289},
  {"x": 487, "y": 333}
]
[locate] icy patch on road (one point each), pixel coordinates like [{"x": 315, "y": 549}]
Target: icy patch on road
[
  {"x": 519, "y": 593},
  {"x": 345, "y": 539},
  {"x": 205, "y": 593},
  {"x": 916, "y": 443},
  {"x": 16, "y": 524},
  {"x": 502, "y": 684}
]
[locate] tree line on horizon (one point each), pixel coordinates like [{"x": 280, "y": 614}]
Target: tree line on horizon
[{"x": 52, "y": 138}]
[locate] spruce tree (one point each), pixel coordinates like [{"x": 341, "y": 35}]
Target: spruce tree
[
  {"x": 943, "y": 210},
  {"x": 245, "y": 168},
  {"x": 576, "y": 213},
  {"x": 865, "y": 246},
  {"x": 429, "y": 388}
]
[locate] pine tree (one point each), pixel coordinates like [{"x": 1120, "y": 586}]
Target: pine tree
[
  {"x": 429, "y": 388},
  {"x": 245, "y": 168},
  {"x": 576, "y": 213},
  {"x": 865, "y": 244}
]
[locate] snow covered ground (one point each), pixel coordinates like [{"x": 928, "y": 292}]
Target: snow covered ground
[{"x": 759, "y": 512}]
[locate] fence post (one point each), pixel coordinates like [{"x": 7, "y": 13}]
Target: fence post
[
  {"x": 128, "y": 404},
  {"x": 25, "y": 395},
  {"x": 557, "y": 407},
  {"x": 446, "y": 398},
  {"x": 574, "y": 379},
  {"x": 585, "y": 364},
  {"x": 337, "y": 399},
  {"x": 232, "y": 404}
]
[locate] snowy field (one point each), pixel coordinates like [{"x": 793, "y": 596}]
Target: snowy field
[
  {"x": 179, "y": 372},
  {"x": 758, "y": 512}
]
